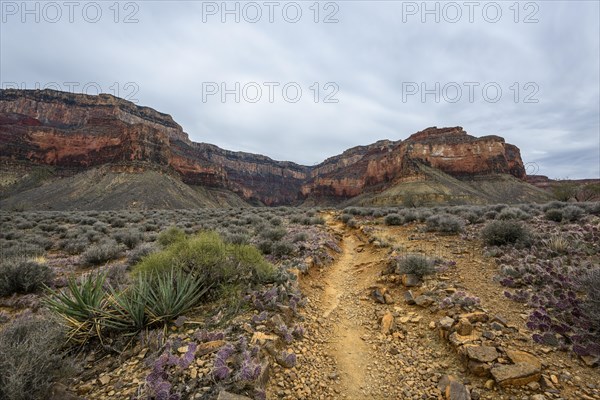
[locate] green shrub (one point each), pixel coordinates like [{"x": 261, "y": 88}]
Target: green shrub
[
  {"x": 137, "y": 254},
  {"x": 345, "y": 217},
  {"x": 499, "y": 233},
  {"x": 276, "y": 221},
  {"x": 415, "y": 264},
  {"x": 31, "y": 358},
  {"x": 393, "y": 219},
  {"x": 313, "y": 221},
  {"x": 300, "y": 237},
  {"x": 129, "y": 237},
  {"x": 170, "y": 236},
  {"x": 265, "y": 246},
  {"x": 74, "y": 246},
  {"x": 274, "y": 234},
  {"x": 513, "y": 213},
  {"x": 554, "y": 214},
  {"x": 572, "y": 213},
  {"x": 444, "y": 223},
  {"x": 282, "y": 248},
  {"x": 238, "y": 238},
  {"x": 209, "y": 257},
  {"x": 23, "y": 276},
  {"x": 101, "y": 253}
]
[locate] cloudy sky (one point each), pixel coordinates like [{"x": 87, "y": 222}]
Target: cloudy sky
[{"x": 305, "y": 80}]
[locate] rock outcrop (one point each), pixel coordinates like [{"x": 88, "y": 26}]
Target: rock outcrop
[{"x": 74, "y": 132}]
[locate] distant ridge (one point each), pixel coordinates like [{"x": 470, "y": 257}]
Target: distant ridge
[{"x": 66, "y": 134}]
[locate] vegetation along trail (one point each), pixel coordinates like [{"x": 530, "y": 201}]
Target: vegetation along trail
[{"x": 356, "y": 347}]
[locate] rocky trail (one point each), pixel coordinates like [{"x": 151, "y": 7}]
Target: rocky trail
[
  {"x": 357, "y": 347},
  {"x": 353, "y": 349}
]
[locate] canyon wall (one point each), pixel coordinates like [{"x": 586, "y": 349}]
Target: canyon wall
[{"x": 75, "y": 132}]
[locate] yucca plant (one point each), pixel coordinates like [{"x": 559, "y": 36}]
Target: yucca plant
[
  {"x": 81, "y": 306},
  {"x": 126, "y": 311},
  {"x": 172, "y": 294}
]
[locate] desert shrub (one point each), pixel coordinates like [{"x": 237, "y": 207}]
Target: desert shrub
[
  {"x": 345, "y": 217},
  {"x": 101, "y": 252},
  {"x": 37, "y": 240},
  {"x": 424, "y": 214},
  {"x": 31, "y": 358},
  {"x": 591, "y": 285},
  {"x": 489, "y": 215},
  {"x": 498, "y": 233},
  {"x": 471, "y": 217},
  {"x": 265, "y": 246},
  {"x": 394, "y": 219},
  {"x": 25, "y": 224},
  {"x": 23, "y": 276},
  {"x": 141, "y": 251},
  {"x": 378, "y": 213},
  {"x": 88, "y": 221},
  {"x": 572, "y": 213},
  {"x": 118, "y": 222},
  {"x": 314, "y": 221},
  {"x": 101, "y": 227},
  {"x": 512, "y": 213},
  {"x": 352, "y": 210},
  {"x": 150, "y": 227},
  {"x": 410, "y": 216},
  {"x": 558, "y": 244},
  {"x": 553, "y": 204},
  {"x": 12, "y": 234},
  {"x": 415, "y": 264},
  {"x": 129, "y": 237},
  {"x": 276, "y": 221},
  {"x": 274, "y": 234},
  {"x": 237, "y": 238},
  {"x": 554, "y": 214},
  {"x": 282, "y": 248},
  {"x": 300, "y": 237},
  {"x": 170, "y": 236},
  {"x": 74, "y": 246},
  {"x": 444, "y": 223},
  {"x": 295, "y": 219},
  {"x": 209, "y": 257},
  {"x": 593, "y": 208}
]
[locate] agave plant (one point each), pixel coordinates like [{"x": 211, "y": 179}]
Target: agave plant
[
  {"x": 81, "y": 306},
  {"x": 172, "y": 294},
  {"x": 127, "y": 309}
]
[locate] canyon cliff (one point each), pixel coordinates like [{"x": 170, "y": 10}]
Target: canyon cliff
[{"x": 73, "y": 133}]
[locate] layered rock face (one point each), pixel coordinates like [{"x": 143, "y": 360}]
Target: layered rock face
[
  {"x": 76, "y": 132},
  {"x": 450, "y": 150}
]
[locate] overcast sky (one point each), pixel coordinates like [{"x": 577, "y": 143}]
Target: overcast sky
[{"x": 314, "y": 79}]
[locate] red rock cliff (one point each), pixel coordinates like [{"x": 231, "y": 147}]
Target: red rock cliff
[{"x": 78, "y": 131}]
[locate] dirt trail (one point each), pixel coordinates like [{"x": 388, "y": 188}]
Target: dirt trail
[
  {"x": 344, "y": 354},
  {"x": 348, "y": 349}
]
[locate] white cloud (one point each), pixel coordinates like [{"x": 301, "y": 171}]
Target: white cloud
[{"x": 369, "y": 54}]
